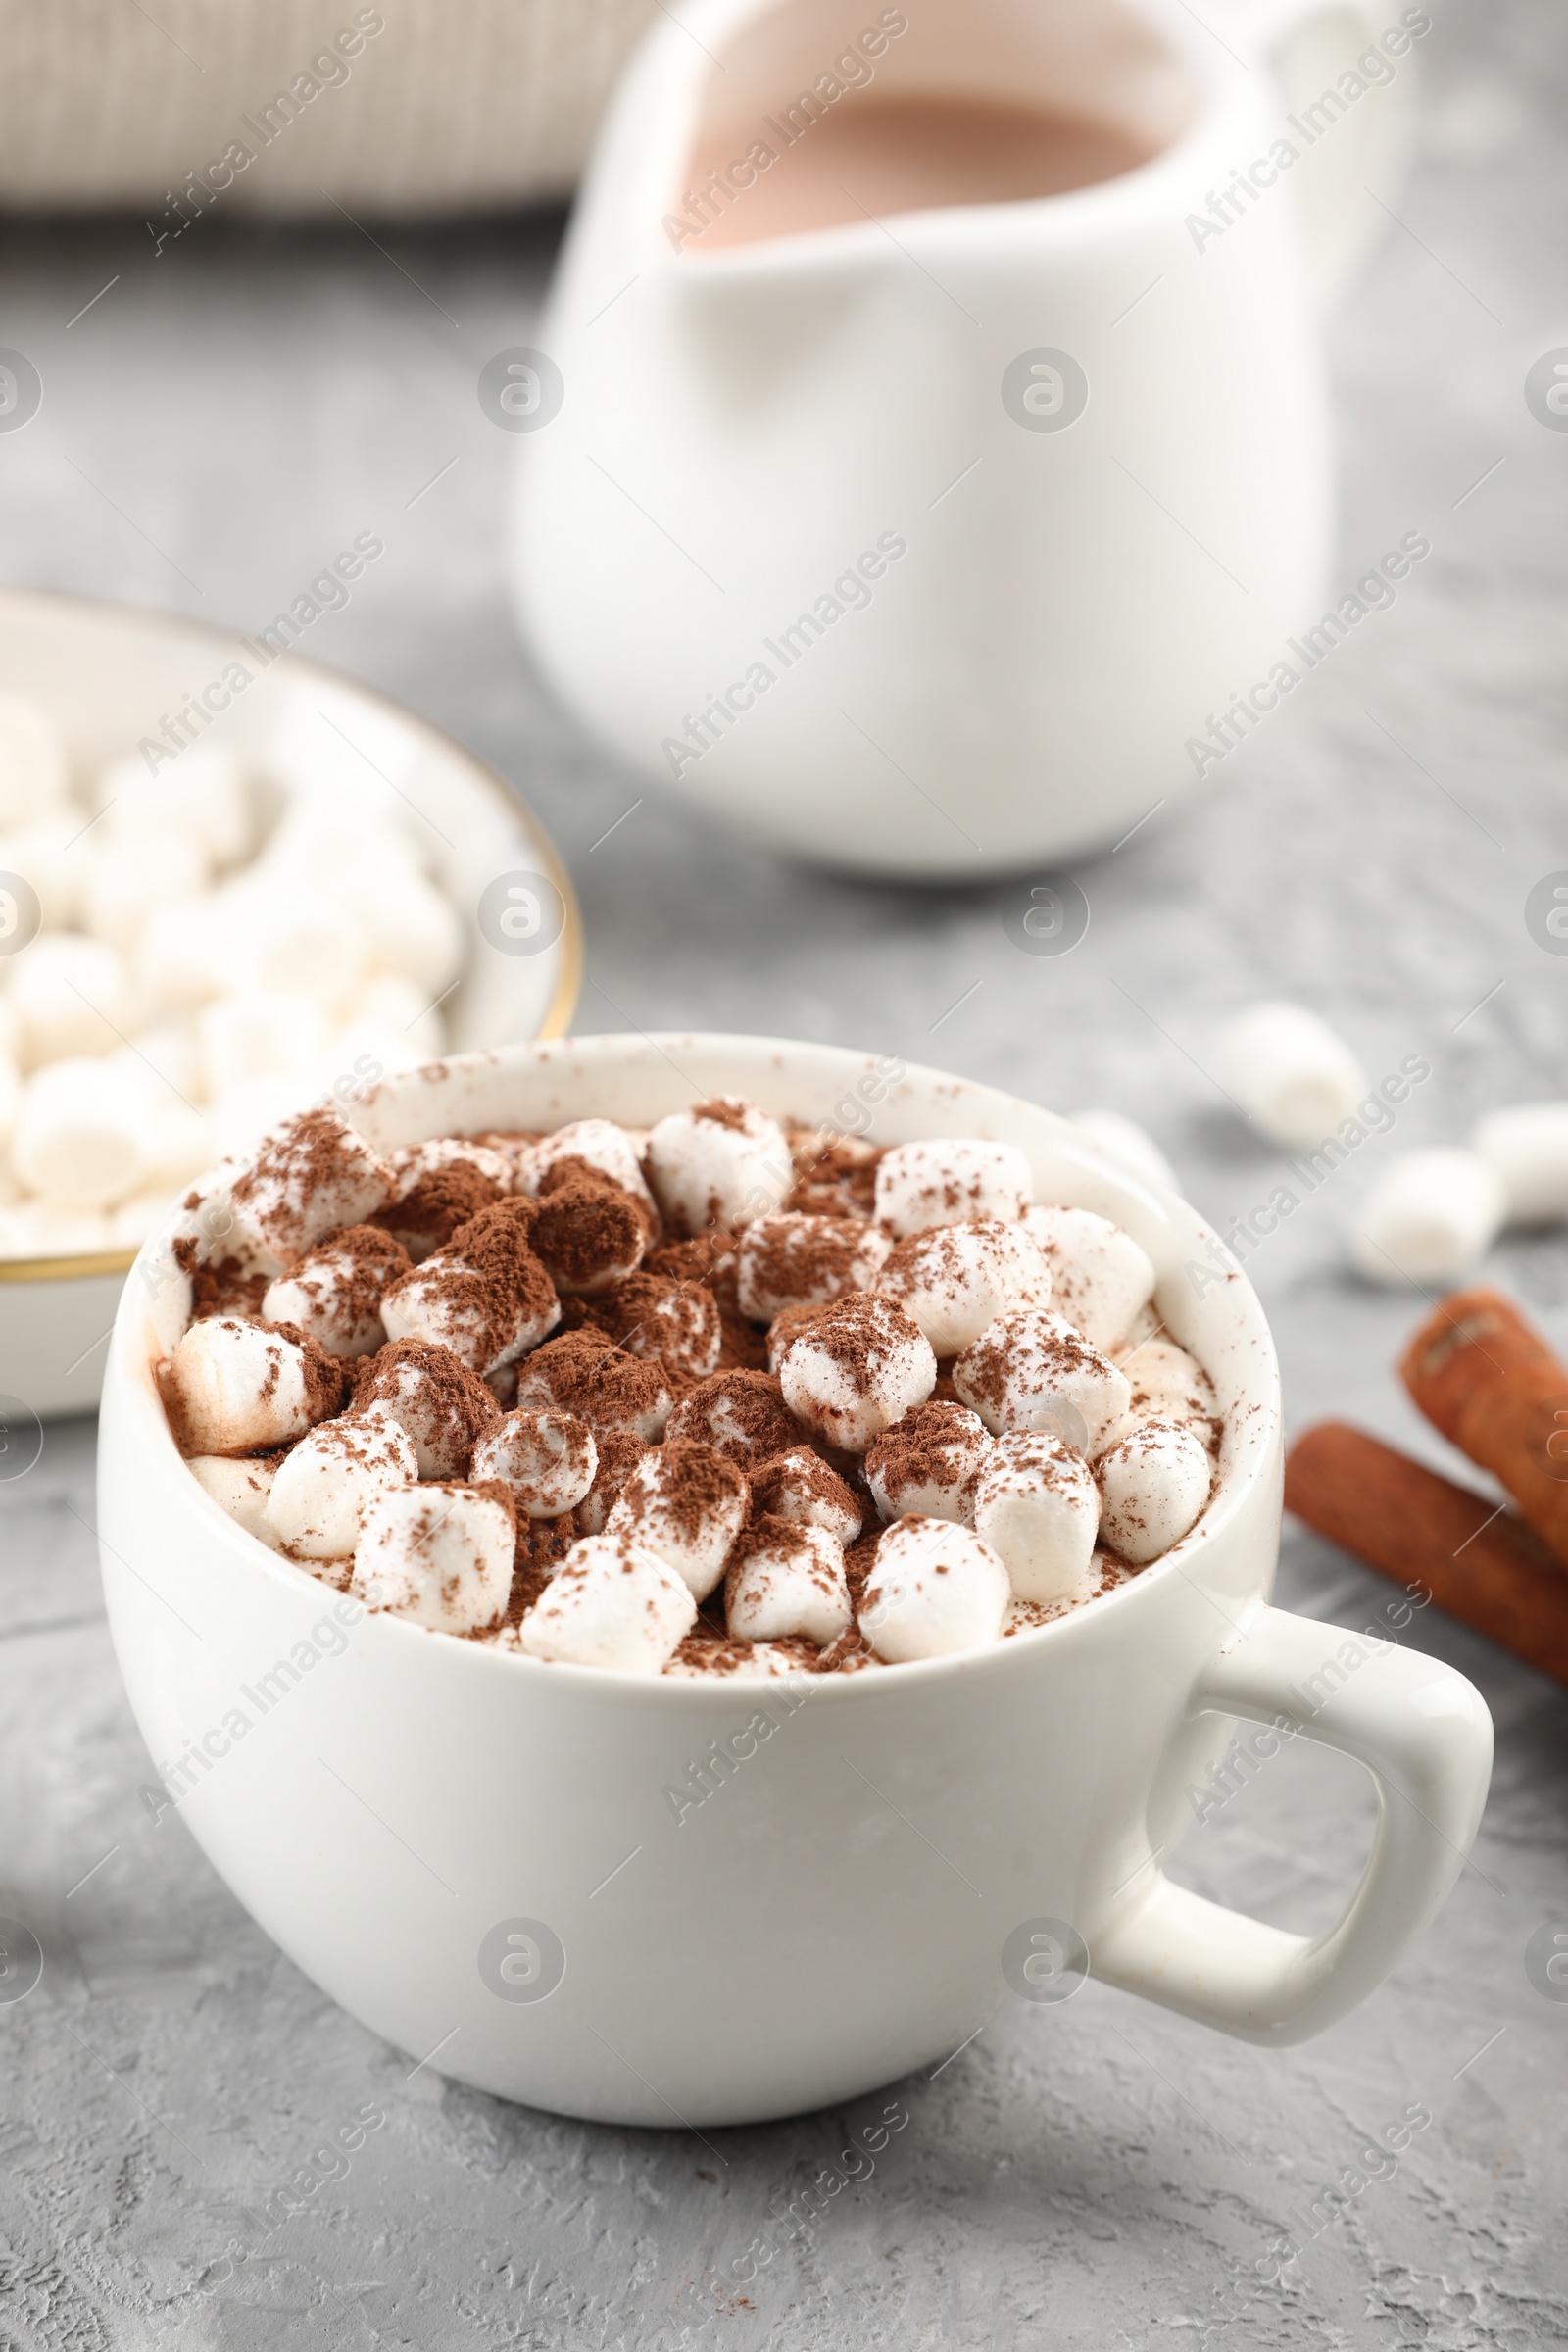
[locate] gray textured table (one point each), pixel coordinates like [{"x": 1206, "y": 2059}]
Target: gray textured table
[{"x": 217, "y": 423}]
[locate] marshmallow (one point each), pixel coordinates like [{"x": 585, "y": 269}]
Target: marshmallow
[
  {"x": 236, "y": 1387},
  {"x": 32, "y": 1229},
  {"x": 325, "y": 1484},
  {"x": 1290, "y": 1073},
  {"x": 855, "y": 1368},
  {"x": 308, "y": 1175},
  {"x": 588, "y": 1231},
  {"x": 1526, "y": 1148},
  {"x": 261, "y": 1033},
  {"x": 183, "y": 954},
  {"x": 835, "y": 1175},
  {"x": 408, "y": 927},
  {"x": 1033, "y": 1371},
  {"x": 686, "y": 1504},
  {"x": 123, "y": 877},
  {"x": 548, "y": 1459},
  {"x": 439, "y": 1186},
  {"x": 613, "y": 1605},
  {"x": 618, "y": 1453},
  {"x": 388, "y": 1000},
  {"x": 798, "y": 1486},
  {"x": 942, "y": 1181},
  {"x": 933, "y": 1588},
  {"x": 952, "y": 1279},
  {"x": 433, "y": 1394},
  {"x": 439, "y": 1555},
  {"x": 70, "y": 995},
  {"x": 167, "y": 1059},
  {"x": 1101, "y": 1278},
  {"x": 204, "y": 794},
  {"x": 787, "y": 1581},
  {"x": 48, "y": 853},
  {"x": 678, "y": 1322},
  {"x": 733, "y": 1661},
  {"x": 1169, "y": 1384},
  {"x": 927, "y": 1465},
  {"x": 723, "y": 1163},
  {"x": 34, "y": 766},
  {"x": 584, "y": 1372},
  {"x": 485, "y": 1295},
  {"x": 793, "y": 1260},
  {"x": 279, "y": 935},
  {"x": 1037, "y": 1505},
  {"x": 131, "y": 1221},
  {"x": 1124, "y": 1141},
  {"x": 1429, "y": 1216},
  {"x": 600, "y": 1142},
  {"x": 1153, "y": 1485},
  {"x": 741, "y": 1413},
  {"x": 335, "y": 1290},
  {"x": 240, "y": 1489},
  {"x": 83, "y": 1134}
]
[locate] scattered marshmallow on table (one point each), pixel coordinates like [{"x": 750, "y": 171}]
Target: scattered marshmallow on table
[
  {"x": 1034, "y": 1371},
  {"x": 787, "y": 1580},
  {"x": 798, "y": 1486},
  {"x": 325, "y": 1485},
  {"x": 953, "y": 1278},
  {"x": 241, "y": 1489},
  {"x": 1290, "y": 1073},
  {"x": 238, "y": 1385},
  {"x": 722, "y": 1163},
  {"x": 1099, "y": 1277},
  {"x": 855, "y": 1368},
  {"x": 1428, "y": 1217},
  {"x": 790, "y": 1259},
  {"x": 439, "y": 1555},
  {"x": 686, "y": 1504},
  {"x": 335, "y": 1290},
  {"x": 611, "y": 1603},
  {"x": 1127, "y": 1144},
  {"x": 549, "y": 1460},
  {"x": 1154, "y": 1483},
  {"x": 1526, "y": 1148},
  {"x": 934, "y": 1588},
  {"x": 947, "y": 1178},
  {"x": 1037, "y": 1505},
  {"x": 927, "y": 1466}
]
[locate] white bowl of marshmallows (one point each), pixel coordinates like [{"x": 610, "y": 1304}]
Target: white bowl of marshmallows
[{"x": 227, "y": 890}]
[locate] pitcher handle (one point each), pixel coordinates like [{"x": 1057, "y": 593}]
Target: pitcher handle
[
  {"x": 1308, "y": 46},
  {"x": 1424, "y": 1735}
]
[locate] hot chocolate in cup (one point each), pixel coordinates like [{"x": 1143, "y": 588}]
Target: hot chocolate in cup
[{"x": 659, "y": 1900}]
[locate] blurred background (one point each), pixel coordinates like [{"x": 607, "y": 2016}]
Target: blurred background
[{"x": 224, "y": 410}]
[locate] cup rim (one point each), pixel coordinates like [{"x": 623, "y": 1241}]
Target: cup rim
[
  {"x": 158, "y": 1453},
  {"x": 114, "y": 612}
]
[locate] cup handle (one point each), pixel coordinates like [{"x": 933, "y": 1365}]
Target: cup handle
[
  {"x": 1307, "y": 46},
  {"x": 1424, "y": 1735}
]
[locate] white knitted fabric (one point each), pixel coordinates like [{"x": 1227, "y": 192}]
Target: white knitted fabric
[{"x": 450, "y": 103}]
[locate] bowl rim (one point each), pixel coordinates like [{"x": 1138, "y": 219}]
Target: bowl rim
[
  {"x": 1248, "y": 1317},
  {"x": 568, "y": 986}
]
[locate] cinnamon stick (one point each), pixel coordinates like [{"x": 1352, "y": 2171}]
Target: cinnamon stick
[
  {"x": 1493, "y": 1573},
  {"x": 1485, "y": 1376}
]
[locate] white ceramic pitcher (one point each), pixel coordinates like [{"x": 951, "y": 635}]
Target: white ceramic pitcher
[{"x": 925, "y": 545}]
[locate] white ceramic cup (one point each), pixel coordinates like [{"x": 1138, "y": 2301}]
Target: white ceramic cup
[
  {"x": 513, "y": 1865},
  {"x": 825, "y": 533}
]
